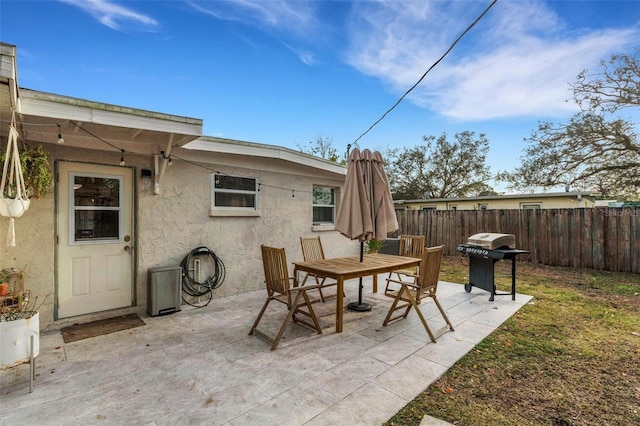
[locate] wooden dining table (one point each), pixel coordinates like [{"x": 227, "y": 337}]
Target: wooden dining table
[{"x": 346, "y": 268}]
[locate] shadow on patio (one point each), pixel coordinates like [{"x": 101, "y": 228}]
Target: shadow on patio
[{"x": 200, "y": 366}]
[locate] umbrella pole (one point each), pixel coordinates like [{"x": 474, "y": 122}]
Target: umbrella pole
[{"x": 360, "y": 306}]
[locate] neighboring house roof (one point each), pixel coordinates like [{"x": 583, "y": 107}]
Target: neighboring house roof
[
  {"x": 509, "y": 201},
  {"x": 501, "y": 197},
  {"x": 235, "y": 147}
]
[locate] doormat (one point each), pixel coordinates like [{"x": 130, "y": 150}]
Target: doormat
[{"x": 77, "y": 332}]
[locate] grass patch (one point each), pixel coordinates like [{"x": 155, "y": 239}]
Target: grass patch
[{"x": 570, "y": 357}]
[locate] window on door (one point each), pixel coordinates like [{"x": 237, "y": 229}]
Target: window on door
[{"x": 97, "y": 202}]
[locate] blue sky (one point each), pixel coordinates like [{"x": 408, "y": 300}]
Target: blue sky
[{"x": 286, "y": 72}]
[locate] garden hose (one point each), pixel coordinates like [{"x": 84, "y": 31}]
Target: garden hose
[{"x": 194, "y": 288}]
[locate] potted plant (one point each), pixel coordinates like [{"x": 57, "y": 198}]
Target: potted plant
[
  {"x": 19, "y": 320},
  {"x": 373, "y": 246},
  {"x": 4, "y": 284},
  {"x": 36, "y": 172}
]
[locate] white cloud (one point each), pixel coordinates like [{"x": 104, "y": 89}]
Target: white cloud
[
  {"x": 520, "y": 80},
  {"x": 284, "y": 15},
  {"x": 290, "y": 20},
  {"x": 306, "y": 56},
  {"x": 114, "y": 16},
  {"x": 518, "y": 61}
]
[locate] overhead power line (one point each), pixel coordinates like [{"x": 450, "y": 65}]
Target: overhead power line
[{"x": 427, "y": 71}]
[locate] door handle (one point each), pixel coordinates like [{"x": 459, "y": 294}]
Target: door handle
[{"x": 127, "y": 248}]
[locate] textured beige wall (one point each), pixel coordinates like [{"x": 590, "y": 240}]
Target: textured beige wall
[
  {"x": 177, "y": 221},
  {"x": 173, "y": 223},
  {"x": 33, "y": 252}
]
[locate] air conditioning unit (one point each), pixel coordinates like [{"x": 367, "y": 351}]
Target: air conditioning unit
[{"x": 164, "y": 291}]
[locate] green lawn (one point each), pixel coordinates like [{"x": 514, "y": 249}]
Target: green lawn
[{"x": 570, "y": 357}]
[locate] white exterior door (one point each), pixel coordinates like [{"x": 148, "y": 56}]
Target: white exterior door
[{"x": 95, "y": 238}]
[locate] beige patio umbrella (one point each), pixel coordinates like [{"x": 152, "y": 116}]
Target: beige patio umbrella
[{"x": 366, "y": 210}]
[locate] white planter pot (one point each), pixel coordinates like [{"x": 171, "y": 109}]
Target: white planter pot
[
  {"x": 15, "y": 340},
  {"x": 12, "y": 207}
]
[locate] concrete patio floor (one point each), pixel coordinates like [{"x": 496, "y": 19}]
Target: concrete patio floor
[{"x": 199, "y": 366}]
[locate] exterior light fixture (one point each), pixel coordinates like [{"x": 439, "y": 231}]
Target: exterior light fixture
[
  {"x": 60, "y": 138},
  {"x": 167, "y": 157},
  {"x": 122, "y": 163}
]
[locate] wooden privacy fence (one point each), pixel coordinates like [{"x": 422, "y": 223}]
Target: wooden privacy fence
[{"x": 596, "y": 238}]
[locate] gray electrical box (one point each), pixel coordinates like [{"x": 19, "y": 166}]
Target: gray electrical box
[{"x": 165, "y": 288}]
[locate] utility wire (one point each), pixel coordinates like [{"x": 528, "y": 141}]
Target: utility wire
[
  {"x": 355, "y": 142},
  {"x": 427, "y": 72},
  {"x": 170, "y": 156},
  {"x": 193, "y": 163},
  {"x": 97, "y": 137},
  {"x": 163, "y": 155}
]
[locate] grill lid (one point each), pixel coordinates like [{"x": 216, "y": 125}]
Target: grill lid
[{"x": 492, "y": 241}]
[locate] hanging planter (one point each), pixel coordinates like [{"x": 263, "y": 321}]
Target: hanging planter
[
  {"x": 13, "y": 207},
  {"x": 36, "y": 171},
  {"x": 13, "y": 194},
  {"x": 36, "y": 175}
]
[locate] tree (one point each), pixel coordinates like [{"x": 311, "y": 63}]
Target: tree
[
  {"x": 440, "y": 169},
  {"x": 596, "y": 150},
  {"x": 322, "y": 147}
]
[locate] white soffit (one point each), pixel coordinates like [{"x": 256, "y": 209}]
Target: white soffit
[
  {"x": 228, "y": 146},
  {"x": 65, "y": 108}
]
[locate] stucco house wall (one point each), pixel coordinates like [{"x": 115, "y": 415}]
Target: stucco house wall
[
  {"x": 177, "y": 220},
  {"x": 170, "y": 219},
  {"x": 171, "y": 224},
  {"x": 33, "y": 253}
]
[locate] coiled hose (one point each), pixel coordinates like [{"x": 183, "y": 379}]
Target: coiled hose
[{"x": 205, "y": 288}]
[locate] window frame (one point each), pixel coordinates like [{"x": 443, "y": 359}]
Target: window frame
[
  {"x": 334, "y": 206},
  {"x": 216, "y": 210},
  {"x": 73, "y": 209},
  {"x": 531, "y": 206}
]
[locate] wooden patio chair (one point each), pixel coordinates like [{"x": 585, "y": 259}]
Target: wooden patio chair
[
  {"x": 417, "y": 287},
  {"x": 312, "y": 250},
  {"x": 409, "y": 246},
  {"x": 280, "y": 288}
]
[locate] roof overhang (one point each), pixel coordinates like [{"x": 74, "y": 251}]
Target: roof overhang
[{"x": 273, "y": 152}]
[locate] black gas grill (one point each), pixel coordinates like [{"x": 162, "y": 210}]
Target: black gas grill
[{"x": 483, "y": 254}]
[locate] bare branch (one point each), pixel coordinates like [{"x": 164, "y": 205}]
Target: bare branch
[{"x": 591, "y": 151}]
